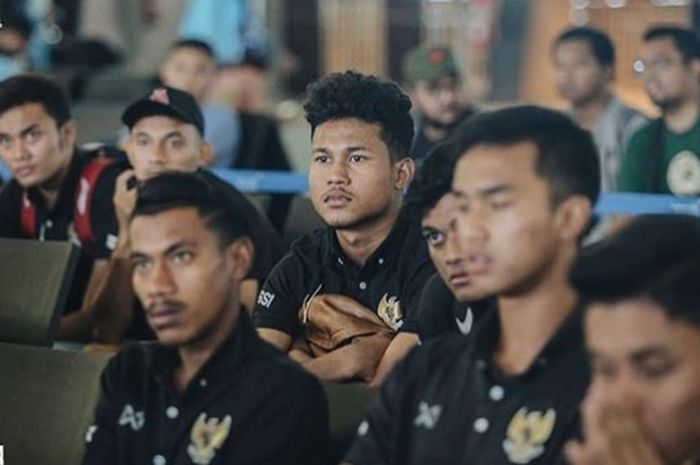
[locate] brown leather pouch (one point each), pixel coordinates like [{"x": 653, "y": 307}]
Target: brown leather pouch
[{"x": 333, "y": 322}]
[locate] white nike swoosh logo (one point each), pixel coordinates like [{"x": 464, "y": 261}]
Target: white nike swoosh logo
[{"x": 465, "y": 326}]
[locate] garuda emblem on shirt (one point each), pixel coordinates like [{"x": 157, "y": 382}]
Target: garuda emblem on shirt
[
  {"x": 527, "y": 433},
  {"x": 389, "y": 310},
  {"x": 206, "y": 437}
]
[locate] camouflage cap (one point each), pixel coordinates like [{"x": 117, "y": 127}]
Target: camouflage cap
[{"x": 427, "y": 63}]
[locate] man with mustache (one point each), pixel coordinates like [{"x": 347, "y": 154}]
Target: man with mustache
[
  {"x": 664, "y": 156},
  {"x": 526, "y": 180},
  {"x": 338, "y": 300},
  {"x": 434, "y": 84},
  {"x": 209, "y": 390}
]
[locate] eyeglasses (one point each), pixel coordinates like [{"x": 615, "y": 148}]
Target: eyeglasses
[{"x": 655, "y": 65}]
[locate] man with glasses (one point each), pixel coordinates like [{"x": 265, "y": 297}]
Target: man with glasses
[{"x": 662, "y": 157}]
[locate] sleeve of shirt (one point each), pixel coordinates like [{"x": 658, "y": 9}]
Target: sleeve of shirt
[
  {"x": 10, "y": 211},
  {"x": 376, "y": 435},
  {"x": 281, "y": 297},
  {"x": 413, "y": 288},
  {"x": 103, "y": 218},
  {"x": 100, "y": 438},
  {"x": 434, "y": 309},
  {"x": 634, "y": 168}
]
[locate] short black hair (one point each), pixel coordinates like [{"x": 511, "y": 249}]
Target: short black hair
[
  {"x": 222, "y": 214},
  {"x": 28, "y": 88},
  {"x": 685, "y": 40},
  {"x": 432, "y": 182},
  {"x": 567, "y": 158},
  {"x": 365, "y": 97},
  {"x": 193, "y": 43},
  {"x": 655, "y": 257},
  {"x": 600, "y": 44}
]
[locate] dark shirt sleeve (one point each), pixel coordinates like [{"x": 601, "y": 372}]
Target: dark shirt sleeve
[
  {"x": 281, "y": 297},
  {"x": 435, "y": 313},
  {"x": 103, "y": 218},
  {"x": 10, "y": 198},
  {"x": 413, "y": 288},
  {"x": 100, "y": 438}
]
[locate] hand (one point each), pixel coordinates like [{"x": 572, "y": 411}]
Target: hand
[
  {"x": 124, "y": 199},
  {"x": 613, "y": 437}
]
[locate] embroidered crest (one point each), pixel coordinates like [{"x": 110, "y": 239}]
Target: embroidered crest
[
  {"x": 134, "y": 419},
  {"x": 428, "y": 415},
  {"x": 683, "y": 175},
  {"x": 160, "y": 95},
  {"x": 389, "y": 310},
  {"x": 527, "y": 433},
  {"x": 206, "y": 437},
  {"x": 437, "y": 56}
]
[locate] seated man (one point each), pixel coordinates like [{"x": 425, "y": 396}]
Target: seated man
[
  {"x": 446, "y": 304},
  {"x": 165, "y": 134},
  {"x": 643, "y": 335},
  {"x": 337, "y": 300},
  {"x": 209, "y": 391},
  {"x": 526, "y": 180},
  {"x": 58, "y": 192}
]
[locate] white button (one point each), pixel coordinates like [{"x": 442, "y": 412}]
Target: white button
[
  {"x": 496, "y": 393},
  {"x": 203, "y": 383},
  {"x": 172, "y": 412},
  {"x": 49, "y": 224},
  {"x": 363, "y": 285},
  {"x": 363, "y": 428},
  {"x": 158, "y": 460},
  {"x": 381, "y": 261},
  {"x": 481, "y": 425}
]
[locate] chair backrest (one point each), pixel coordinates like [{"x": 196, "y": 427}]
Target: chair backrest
[
  {"x": 347, "y": 405},
  {"x": 47, "y": 400},
  {"x": 35, "y": 278}
]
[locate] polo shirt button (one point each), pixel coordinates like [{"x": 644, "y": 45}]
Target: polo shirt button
[
  {"x": 158, "y": 460},
  {"x": 481, "y": 425},
  {"x": 172, "y": 412},
  {"x": 496, "y": 393},
  {"x": 203, "y": 383},
  {"x": 363, "y": 285},
  {"x": 381, "y": 261}
]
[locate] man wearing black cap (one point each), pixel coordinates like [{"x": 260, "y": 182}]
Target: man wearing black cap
[
  {"x": 165, "y": 134},
  {"x": 209, "y": 391},
  {"x": 433, "y": 80},
  {"x": 58, "y": 192}
]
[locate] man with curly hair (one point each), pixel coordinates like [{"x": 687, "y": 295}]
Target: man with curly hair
[{"x": 338, "y": 301}]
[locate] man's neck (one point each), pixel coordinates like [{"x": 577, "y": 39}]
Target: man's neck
[
  {"x": 528, "y": 321},
  {"x": 194, "y": 356},
  {"x": 682, "y": 117},
  {"x": 51, "y": 189},
  {"x": 360, "y": 244},
  {"x": 588, "y": 113}
]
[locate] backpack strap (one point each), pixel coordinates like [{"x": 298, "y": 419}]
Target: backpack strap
[
  {"x": 84, "y": 195},
  {"x": 27, "y": 215}
]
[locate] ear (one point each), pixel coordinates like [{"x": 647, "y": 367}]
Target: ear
[
  {"x": 68, "y": 134},
  {"x": 206, "y": 154},
  {"x": 241, "y": 253},
  {"x": 572, "y": 217},
  {"x": 404, "y": 170}
]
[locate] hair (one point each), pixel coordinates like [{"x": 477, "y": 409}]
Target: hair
[
  {"x": 685, "y": 40},
  {"x": 368, "y": 98},
  {"x": 655, "y": 257},
  {"x": 19, "y": 23},
  {"x": 28, "y": 88},
  {"x": 195, "y": 44},
  {"x": 600, "y": 44},
  {"x": 432, "y": 182},
  {"x": 567, "y": 158},
  {"x": 223, "y": 214}
]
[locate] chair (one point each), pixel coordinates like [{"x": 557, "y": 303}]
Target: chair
[
  {"x": 47, "y": 400},
  {"x": 35, "y": 278}
]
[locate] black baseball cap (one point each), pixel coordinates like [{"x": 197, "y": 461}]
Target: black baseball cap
[{"x": 165, "y": 101}]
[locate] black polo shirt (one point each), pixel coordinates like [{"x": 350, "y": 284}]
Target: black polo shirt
[
  {"x": 269, "y": 245},
  {"x": 440, "y": 313},
  {"x": 449, "y": 403},
  {"x": 260, "y": 408},
  {"x": 316, "y": 264},
  {"x": 58, "y": 223}
]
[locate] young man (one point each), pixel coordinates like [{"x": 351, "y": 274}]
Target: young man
[
  {"x": 643, "y": 335},
  {"x": 166, "y": 131},
  {"x": 240, "y": 140},
  {"x": 584, "y": 70},
  {"x": 662, "y": 157},
  {"x": 209, "y": 391},
  {"x": 446, "y": 304},
  {"x": 57, "y": 192},
  {"x": 526, "y": 181},
  {"x": 435, "y": 87},
  {"x": 339, "y": 297}
]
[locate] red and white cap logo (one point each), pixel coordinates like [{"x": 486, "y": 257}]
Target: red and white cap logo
[{"x": 160, "y": 95}]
